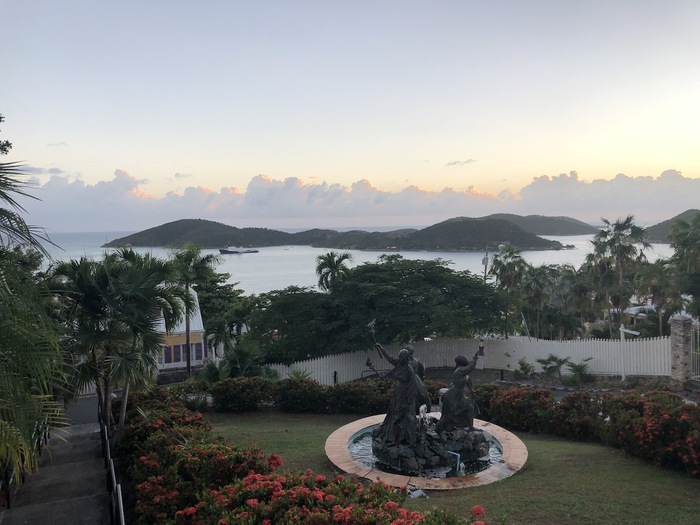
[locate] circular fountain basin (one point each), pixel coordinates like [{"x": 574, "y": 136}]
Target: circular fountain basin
[{"x": 513, "y": 457}]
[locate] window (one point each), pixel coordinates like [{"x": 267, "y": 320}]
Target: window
[
  {"x": 167, "y": 353},
  {"x": 176, "y": 354},
  {"x": 198, "y": 351}
]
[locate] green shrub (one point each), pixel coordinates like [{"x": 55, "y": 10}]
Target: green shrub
[
  {"x": 577, "y": 416},
  {"x": 301, "y": 395},
  {"x": 579, "y": 373},
  {"x": 241, "y": 394},
  {"x": 524, "y": 369},
  {"x": 360, "y": 397},
  {"x": 484, "y": 394},
  {"x": 526, "y": 408},
  {"x": 433, "y": 387}
]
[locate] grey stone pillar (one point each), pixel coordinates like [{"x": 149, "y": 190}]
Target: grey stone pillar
[{"x": 680, "y": 348}]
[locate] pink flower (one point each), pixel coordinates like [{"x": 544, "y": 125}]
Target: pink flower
[{"x": 477, "y": 511}]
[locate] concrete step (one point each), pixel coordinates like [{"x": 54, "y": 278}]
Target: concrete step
[
  {"x": 85, "y": 510},
  {"x": 70, "y": 485}
]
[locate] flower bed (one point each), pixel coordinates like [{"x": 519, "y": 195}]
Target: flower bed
[{"x": 181, "y": 476}]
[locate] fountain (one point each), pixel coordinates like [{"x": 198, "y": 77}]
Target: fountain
[{"x": 450, "y": 449}]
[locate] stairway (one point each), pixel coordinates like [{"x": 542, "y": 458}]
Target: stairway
[{"x": 70, "y": 486}]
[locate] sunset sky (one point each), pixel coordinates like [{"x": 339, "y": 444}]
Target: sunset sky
[{"x": 326, "y": 113}]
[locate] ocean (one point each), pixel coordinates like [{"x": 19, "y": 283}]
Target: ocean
[{"x": 277, "y": 267}]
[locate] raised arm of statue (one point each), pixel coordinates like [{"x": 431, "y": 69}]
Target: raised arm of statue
[{"x": 382, "y": 352}]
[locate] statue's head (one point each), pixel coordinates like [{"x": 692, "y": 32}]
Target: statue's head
[
  {"x": 461, "y": 360},
  {"x": 410, "y": 350},
  {"x": 404, "y": 354}
]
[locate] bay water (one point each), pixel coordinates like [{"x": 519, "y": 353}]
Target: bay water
[{"x": 275, "y": 268}]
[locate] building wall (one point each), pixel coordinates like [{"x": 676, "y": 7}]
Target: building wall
[{"x": 174, "y": 356}]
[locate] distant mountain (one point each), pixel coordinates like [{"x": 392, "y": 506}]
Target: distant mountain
[
  {"x": 659, "y": 232},
  {"x": 541, "y": 225},
  {"x": 207, "y": 234},
  {"x": 458, "y": 234}
]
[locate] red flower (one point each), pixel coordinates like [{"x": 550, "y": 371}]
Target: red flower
[{"x": 477, "y": 511}]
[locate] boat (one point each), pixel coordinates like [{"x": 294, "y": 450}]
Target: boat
[{"x": 229, "y": 251}]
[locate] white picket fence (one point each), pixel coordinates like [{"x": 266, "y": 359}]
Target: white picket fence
[{"x": 634, "y": 357}]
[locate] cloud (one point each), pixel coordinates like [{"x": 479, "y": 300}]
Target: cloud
[
  {"x": 460, "y": 162},
  {"x": 57, "y": 145},
  {"x": 35, "y": 170},
  {"x": 122, "y": 204}
]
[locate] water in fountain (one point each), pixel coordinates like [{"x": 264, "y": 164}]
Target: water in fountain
[{"x": 360, "y": 447}]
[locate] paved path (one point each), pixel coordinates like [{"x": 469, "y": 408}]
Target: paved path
[{"x": 70, "y": 487}]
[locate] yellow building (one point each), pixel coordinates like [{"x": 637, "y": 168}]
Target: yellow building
[{"x": 174, "y": 355}]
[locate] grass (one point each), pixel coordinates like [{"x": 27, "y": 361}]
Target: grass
[{"x": 562, "y": 483}]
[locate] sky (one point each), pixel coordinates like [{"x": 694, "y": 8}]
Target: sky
[{"x": 317, "y": 113}]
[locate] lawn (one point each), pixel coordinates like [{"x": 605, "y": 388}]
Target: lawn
[{"x": 563, "y": 483}]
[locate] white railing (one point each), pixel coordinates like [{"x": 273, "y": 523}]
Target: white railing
[{"x": 638, "y": 357}]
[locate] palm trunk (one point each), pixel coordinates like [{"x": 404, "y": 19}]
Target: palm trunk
[
  {"x": 122, "y": 408},
  {"x": 187, "y": 344}
]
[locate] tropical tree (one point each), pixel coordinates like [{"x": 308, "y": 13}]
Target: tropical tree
[
  {"x": 658, "y": 283},
  {"x": 113, "y": 307},
  {"x": 685, "y": 240},
  {"x": 331, "y": 268},
  {"x": 509, "y": 267},
  {"x": 31, "y": 361},
  {"x": 536, "y": 286},
  {"x": 619, "y": 244},
  {"x": 192, "y": 268}
]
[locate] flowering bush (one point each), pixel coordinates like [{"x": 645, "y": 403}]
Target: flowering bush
[
  {"x": 196, "y": 482},
  {"x": 577, "y": 416},
  {"x": 175, "y": 420},
  {"x": 657, "y": 426},
  {"x": 360, "y": 397},
  {"x": 484, "y": 394},
  {"x": 241, "y": 394},
  {"x": 301, "y": 395},
  {"x": 525, "y": 408}
]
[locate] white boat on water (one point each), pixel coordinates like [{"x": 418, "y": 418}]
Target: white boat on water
[{"x": 230, "y": 251}]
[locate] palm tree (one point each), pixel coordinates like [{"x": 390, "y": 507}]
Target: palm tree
[
  {"x": 685, "y": 240},
  {"x": 192, "y": 267},
  {"x": 31, "y": 360},
  {"x": 31, "y": 366},
  {"x": 508, "y": 267},
  {"x": 623, "y": 241},
  {"x": 537, "y": 283},
  {"x": 148, "y": 294},
  {"x": 114, "y": 306},
  {"x": 621, "y": 245},
  {"x": 658, "y": 283},
  {"x": 331, "y": 268}
]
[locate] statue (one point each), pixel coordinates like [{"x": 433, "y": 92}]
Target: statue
[
  {"x": 400, "y": 424},
  {"x": 458, "y": 409},
  {"x": 422, "y": 396}
]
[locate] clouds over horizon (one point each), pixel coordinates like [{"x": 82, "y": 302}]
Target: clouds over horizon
[{"x": 123, "y": 203}]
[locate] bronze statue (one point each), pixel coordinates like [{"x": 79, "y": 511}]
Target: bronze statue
[
  {"x": 458, "y": 409},
  {"x": 400, "y": 424},
  {"x": 422, "y": 397}
]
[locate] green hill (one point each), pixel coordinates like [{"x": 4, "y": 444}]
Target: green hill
[
  {"x": 207, "y": 234},
  {"x": 659, "y": 232},
  {"x": 541, "y": 225},
  {"x": 458, "y": 234}
]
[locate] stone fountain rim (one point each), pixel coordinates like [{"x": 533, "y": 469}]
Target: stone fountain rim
[{"x": 512, "y": 460}]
